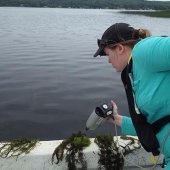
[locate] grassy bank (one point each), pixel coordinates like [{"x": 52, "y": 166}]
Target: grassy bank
[{"x": 157, "y": 13}]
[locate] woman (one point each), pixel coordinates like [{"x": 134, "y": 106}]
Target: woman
[{"x": 144, "y": 63}]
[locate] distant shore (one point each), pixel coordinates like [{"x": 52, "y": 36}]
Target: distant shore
[
  {"x": 155, "y": 13},
  {"x": 151, "y": 13}
]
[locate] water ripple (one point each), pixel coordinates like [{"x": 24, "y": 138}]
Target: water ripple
[{"x": 50, "y": 81}]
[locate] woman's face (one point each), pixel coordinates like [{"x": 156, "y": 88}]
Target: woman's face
[{"x": 118, "y": 56}]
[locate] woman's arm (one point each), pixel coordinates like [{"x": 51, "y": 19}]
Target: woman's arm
[{"x": 127, "y": 127}]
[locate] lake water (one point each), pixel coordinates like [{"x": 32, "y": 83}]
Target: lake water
[{"x": 49, "y": 81}]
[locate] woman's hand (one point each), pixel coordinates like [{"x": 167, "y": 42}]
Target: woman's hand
[{"x": 117, "y": 118}]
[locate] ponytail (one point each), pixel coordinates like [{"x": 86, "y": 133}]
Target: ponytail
[
  {"x": 137, "y": 36},
  {"x": 141, "y": 34}
]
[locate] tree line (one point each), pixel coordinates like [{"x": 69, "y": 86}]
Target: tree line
[{"x": 110, "y": 4}]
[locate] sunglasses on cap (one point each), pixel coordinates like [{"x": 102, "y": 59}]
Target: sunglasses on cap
[{"x": 104, "y": 43}]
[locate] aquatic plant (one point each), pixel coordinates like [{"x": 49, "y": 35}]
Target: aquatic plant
[
  {"x": 17, "y": 147},
  {"x": 74, "y": 151},
  {"x": 109, "y": 155}
]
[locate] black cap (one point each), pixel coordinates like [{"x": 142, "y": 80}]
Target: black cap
[{"x": 116, "y": 33}]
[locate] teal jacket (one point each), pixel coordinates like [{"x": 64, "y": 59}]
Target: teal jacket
[{"x": 151, "y": 81}]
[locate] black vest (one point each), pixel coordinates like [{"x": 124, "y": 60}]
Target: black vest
[{"x": 146, "y": 132}]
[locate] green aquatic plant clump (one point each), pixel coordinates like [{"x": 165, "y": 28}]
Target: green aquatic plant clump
[
  {"x": 17, "y": 147},
  {"x": 80, "y": 141},
  {"x": 74, "y": 151},
  {"x": 109, "y": 155}
]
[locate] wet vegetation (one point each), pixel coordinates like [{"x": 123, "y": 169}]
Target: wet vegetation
[
  {"x": 71, "y": 149},
  {"x": 110, "y": 156},
  {"x": 74, "y": 151},
  {"x": 17, "y": 147},
  {"x": 110, "y": 153}
]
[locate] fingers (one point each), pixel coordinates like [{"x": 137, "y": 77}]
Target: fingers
[
  {"x": 115, "y": 109},
  {"x": 117, "y": 117}
]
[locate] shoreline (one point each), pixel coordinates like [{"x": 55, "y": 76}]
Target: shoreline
[
  {"x": 149, "y": 13},
  {"x": 144, "y": 12}
]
